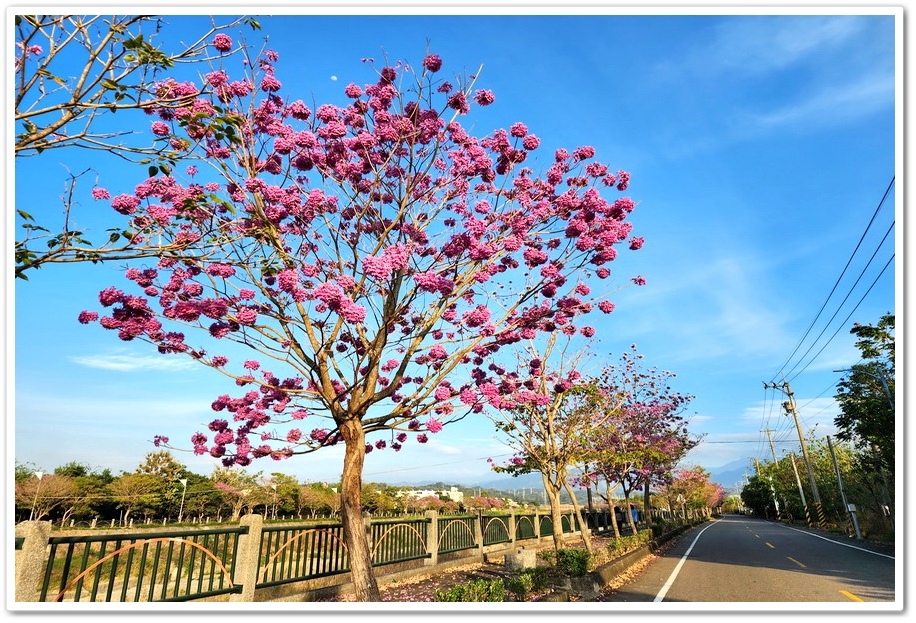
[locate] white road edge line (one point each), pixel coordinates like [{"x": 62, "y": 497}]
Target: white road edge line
[
  {"x": 680, "y": 563},
  {"x": 861, "y": 549}
]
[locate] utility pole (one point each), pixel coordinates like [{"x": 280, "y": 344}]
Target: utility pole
[
  {"x": 790, "y": 409},
  {"x": 772, "y": 447},
  {"x": 801, "y": 492},
  {"x": 851, "y": 508}
]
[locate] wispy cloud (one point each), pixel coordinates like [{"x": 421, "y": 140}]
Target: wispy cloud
[
  {"x": 131, "y": 363},
  {"x": 762, "y": 45},
  {"x": 835, "y": 104},
  {"x": 711, "y": 308}
]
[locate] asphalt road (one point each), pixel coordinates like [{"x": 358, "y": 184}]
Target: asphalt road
[{"x": 741, "y": 559}]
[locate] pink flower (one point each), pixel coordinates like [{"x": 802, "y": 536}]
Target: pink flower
[
  {"x": 434, "y": 426},
  {"x": 100, "y": 193},
  {"x": 606, "y": 306},
  {"x": 636, "y": 243},
  {"x": 484, "y": 97},
  {"x": 459, "y": 102},
  {"x": 287, "y": 279},
  {"x": 125, "y": 204},
  {"x": 269, "y": 83},
  {"x": 437, "y": 352},
  {"x": 432, "y": 62},
  {"x": 86, "y": 317},
  {"x": 476, "y": 317},
  {"x": 247, "y": 316},
  {"x": 222, "y": 42},
  {"x": 352, "y": 313},
  {"x": 639, "y": 280},
  {"x": 161, "y": 129},
  {"x": 518, "y": 130}
]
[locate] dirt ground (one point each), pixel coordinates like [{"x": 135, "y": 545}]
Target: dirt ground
[{"x": 423, "y": 588}]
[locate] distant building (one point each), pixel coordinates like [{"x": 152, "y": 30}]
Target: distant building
[{"x": 452, "y": 494}]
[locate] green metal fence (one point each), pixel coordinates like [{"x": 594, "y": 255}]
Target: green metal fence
[
  {"x": 141, "y": 567},
  {"x": 201, "y": 563}
]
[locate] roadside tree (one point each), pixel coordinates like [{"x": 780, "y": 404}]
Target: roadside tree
[
  {"x": 373, "y": 258},
  {"x": 72, "y": 74}
]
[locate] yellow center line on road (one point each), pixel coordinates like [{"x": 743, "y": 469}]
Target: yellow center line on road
[
  {"x": 851, "y": 596},
  {"x": 796, "y": 562},
  {"x": 771, "y": 546}
]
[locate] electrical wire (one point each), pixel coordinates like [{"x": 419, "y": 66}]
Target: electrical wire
[
  {"x": 839, "y": 279},
  {"x": 846, "y": 298}
]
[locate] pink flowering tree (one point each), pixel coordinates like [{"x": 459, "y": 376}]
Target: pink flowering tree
[
  {"x": 545, "y": 409},
  {"x": 71, "y": 74},
  {"x": 691, "y": 488},
  {"x": 649, "y": 435},
  {"x": 373, "y": 258}
]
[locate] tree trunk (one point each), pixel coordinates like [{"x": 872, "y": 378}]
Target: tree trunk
[
  {"x": 351, "y": 512},
  {"x": 611, "y": 506},
  {"x": 553, "y": 497},
  {"x": 628, "y": 510},
  {"x": 583, "y": 525},
  {"x": 647, "y": 508}
]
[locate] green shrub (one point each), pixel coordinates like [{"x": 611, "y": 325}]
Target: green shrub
[
  {"x": 573, "y": 561},
  {"x": 474, "y": 590},
  {"x": 520, "y": 585},
  {"x": 540, "y": 577},
  {"x": 526, "y": 582}
]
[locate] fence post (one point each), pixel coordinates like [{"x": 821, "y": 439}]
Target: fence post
[
  {"x": 248, "y": 565},
  {"x": 478, "y": 533},
  {"x": 512, "y": 526},
  {"x": 432, "y": 539},
  {"x": 31, "y": 560}
]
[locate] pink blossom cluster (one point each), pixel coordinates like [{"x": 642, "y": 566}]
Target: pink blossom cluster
[{"x": 449, "y": 217}]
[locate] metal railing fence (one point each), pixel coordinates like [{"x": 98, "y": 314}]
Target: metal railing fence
[{"x": 185, "y": 564}]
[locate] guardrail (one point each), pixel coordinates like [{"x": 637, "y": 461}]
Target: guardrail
[{"x": 232, "y": 563}]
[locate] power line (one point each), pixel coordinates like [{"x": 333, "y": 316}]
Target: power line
[
  {"x": 846, "y": 298},
  {"x": 847, "y": 317},
  {"x": 839, "y": 279}
]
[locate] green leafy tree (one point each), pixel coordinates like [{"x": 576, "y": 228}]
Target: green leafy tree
[
  {"x": 90, "y": 496},
  {"x": 866, "y": 398},
  {"x": 42, "y": 495},
  {"x": 757, "y": 495},
  {"x": 72, "y": 73},
  {"x": 136, "y": 494},
  {"x": 164, "y": 466},
  {"x": 318, "y": 498},
  {"x": 239, "y": 489}
]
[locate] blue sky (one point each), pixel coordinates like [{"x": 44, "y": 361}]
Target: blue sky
[{"x": 760, "y": 148}]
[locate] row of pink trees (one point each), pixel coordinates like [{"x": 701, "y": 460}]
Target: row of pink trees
[
  {"x": 648, "y": 437},
  {"x": 373, "y": 258},
  {"x": 623, "y": 425}
]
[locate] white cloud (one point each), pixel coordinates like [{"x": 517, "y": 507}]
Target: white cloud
[
  {"x": 834, "y": 104},
  {"x": 130, "y": 363},
  {"x": 756, "y": 45}
]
